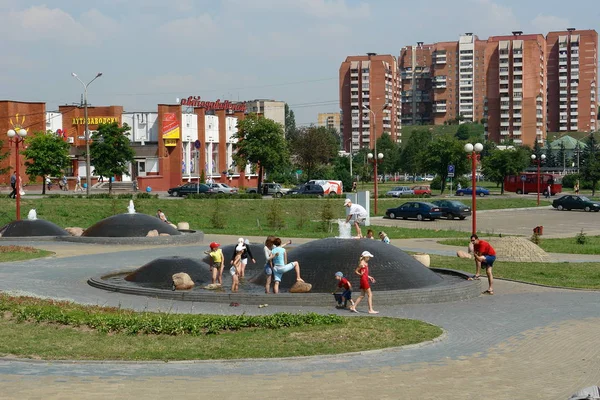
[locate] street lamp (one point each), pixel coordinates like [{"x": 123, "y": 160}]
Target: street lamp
[
  {"x": 538, "y": 162},
  {"x": 371, "y": 157},
  {"x": 473, "y": 154},
  {"x": 17, "y": 135},
  {"x": 379, "y": 156},
  {"x": 87, "y": 132}
]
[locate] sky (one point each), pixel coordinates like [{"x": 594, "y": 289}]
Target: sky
[{"x": 155, "y": 51}]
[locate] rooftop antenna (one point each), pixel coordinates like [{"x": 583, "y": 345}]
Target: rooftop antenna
[{"x": 517, "y": 33}]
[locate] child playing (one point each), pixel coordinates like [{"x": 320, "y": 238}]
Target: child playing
[
  {"x": 269, "y": 261},
  {"x": 236, "y": 269},
  {"x": 216, "y": 263},
  {"x": 365, "y": 280},
  {"x": 347, "y": 290},
  {"x": 384, "y": 237},
  {"x": 370, "y": 234}
]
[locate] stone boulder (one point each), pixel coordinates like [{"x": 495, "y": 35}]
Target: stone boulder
[
  {"x": 163, "y": 234},
  {"x": 173, "y": 225},
  {"x": 300, "y": 287},
  {"x": 423, "y": 258},
  {"x": 74, "y": 231},
  {"x": 463, "y": 254},
  {"x": 182, "y": 281},
  {"x": 183, "y": 226},
  {"x": 152, "y": 233}
]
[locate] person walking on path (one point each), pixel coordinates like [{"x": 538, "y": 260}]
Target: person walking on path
[
  {"x": 78, "y": 184},
  {"x": 576, "y": 187},
  {"x": 484, "y": 255},
  {"x": 358, "y": 214},
  {"x": 365, "y": 282},
  {"x": 244, "y": 259},
  {"x": 281, "y": 265},
  {"x": 13, "y": 185}
]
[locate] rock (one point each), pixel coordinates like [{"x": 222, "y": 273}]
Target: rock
[
  {"x": 423, "y": 259},
  {"x": 173, "y": 225},
  {"x": 183, "y": 226},
  {"x": 164, "y": 234},
  {"x": 463, "y": 254},
  {"x": 300, "y": 287},
  {"x": 152, "y": 233},
  {"x": 182, "y": 281},
  {"x": 74, "y": 231},
  {"x": 212, "y": 286}
]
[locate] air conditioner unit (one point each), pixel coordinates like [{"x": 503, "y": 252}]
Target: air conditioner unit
[{"x": 70, "y": 140}]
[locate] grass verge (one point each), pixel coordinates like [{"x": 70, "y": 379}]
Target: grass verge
[
  {"x": 591, "y": 244},
  {"x": 36, "y": 328},
  {"x": 20, "y": 253}
]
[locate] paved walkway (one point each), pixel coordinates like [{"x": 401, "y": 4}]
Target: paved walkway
[{"x": 524, "y": 342}]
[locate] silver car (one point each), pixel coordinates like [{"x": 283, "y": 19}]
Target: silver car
[
  {"x": 400, "y": 191},
  {"x": 222, "y": 188}
]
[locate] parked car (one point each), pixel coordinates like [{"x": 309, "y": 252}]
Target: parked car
[
  {"x": 575, "y": 202},
  {"x": 424, "y": 191},
  {"x": 222, "y": 188},
  {"x": 400, "y": 191},
  {"x": 189, "y": 188},
  {"x": 479, "y": 191},
  {"x": 453, "y": 209},
  {"x": 308, "y": 188},
  {"x": 415, "y": 209},
  {"x": 271, "y": 189}
]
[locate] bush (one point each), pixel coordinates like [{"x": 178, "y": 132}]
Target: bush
[
  {"x": 327, "y": 215},
  {"x": 568, "y": 181},
  {"x": 217, "y": 218},
  {"x": 535, "y": 238},
  {"x": 275, "y": 215},
  {"x": 580, "y": 238}
]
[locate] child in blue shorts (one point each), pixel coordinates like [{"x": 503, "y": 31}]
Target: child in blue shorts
[{"x": 346, "y": 287}]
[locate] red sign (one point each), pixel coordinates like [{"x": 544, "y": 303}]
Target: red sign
[{"x": 195, "y": 101}]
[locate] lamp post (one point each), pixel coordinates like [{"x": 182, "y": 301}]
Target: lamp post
[
  {"x": 372, "y": 155},
  {"x": 87, "y": 132},
  {"x": 473, "y": 154},
  {"x": 538, "y": 162},
  {"x": 375, "y": 158},
  {"x": 17, "y": 135}
]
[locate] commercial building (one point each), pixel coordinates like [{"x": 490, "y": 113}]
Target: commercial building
[
  {"x": 369, "y": 94},
  {"x": 175, "y": 144},
  {"x": 329, "y": 120},
  {"x": 572, "y": 71},
  {"x": 271, "y": 109}
]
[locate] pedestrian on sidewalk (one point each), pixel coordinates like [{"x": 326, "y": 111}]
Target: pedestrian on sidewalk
[
  {"x": 484, "y": 255},
  {"x": 13, "y": 185},
  {"x": 78, "y": 184}
]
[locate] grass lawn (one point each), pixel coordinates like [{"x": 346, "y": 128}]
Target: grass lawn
[
  {"x": 558, "y": 245},
  {"x": 20, "y": 253},
  {"x": 567, "y": 275}
]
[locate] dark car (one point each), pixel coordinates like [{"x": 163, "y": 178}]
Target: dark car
[
  {"x": 479, "y": 191},
  {"x": 189, "y": 188},
  {"x": 415, "y": 209},
  {"x": 575, "y": 202},
  {"x": 453, "y": 209},
  {"x": 308, "y": 188}
]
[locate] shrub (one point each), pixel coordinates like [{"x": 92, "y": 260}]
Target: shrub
[
  {"x": 275, "y": 215},
  {"x": 535, "y": 238},
  {"x": 327, "y": 216},
  {"x": 580, "y": 238},
  {"x": 217, "y": 218}
]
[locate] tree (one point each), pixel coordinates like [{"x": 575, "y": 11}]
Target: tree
[
  {"x": 261, "y": 142},
  {"x": 443, "y": 151},
  {"x": 550, "y": 159},
  {"x": 313, "y": 147},
  {"x": 499, "y": 164},
  {"x": 411, "y": 159},
  {"x": 391, "y": 154},
  {"x": 290, "y": 121},
  {"x": 537, "y": 150},
  {"x": 110, "y": 151},
  {"x": 47, "y": 155},
  {"x": 590, "y": 170},
  {"x": 3, "y": 156},
  {"x": 561, "y": 156},
  {"x": 463, "y": 132}
]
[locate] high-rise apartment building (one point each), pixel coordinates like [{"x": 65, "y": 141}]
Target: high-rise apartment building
[
  {"x": 329, "y": 120},
  {"x": 516, "y": 88},
  {"x": 572, "y": 71},
  {"x": 415, "y": 74},
  {"x": 369, "y": 84},
  {"x": 271, "y": 109}
]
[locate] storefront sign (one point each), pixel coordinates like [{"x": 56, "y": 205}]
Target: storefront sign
[
  {"x": 170, "y": 129},
  {"x": 195, "y": 101},
  {"x": 95, "y": 120}
]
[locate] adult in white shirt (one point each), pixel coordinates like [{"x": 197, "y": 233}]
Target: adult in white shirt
[{"x": 358, "y": 213}]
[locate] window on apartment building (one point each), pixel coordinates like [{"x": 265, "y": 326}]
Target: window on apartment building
[{"x": 365, "y": 70}]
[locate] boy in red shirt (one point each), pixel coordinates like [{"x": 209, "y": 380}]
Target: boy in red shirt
[
  {"x": 485, "y": 255},
  {"x": 347, "y": 290}
]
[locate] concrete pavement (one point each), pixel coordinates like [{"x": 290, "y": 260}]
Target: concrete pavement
[{"x": 524, "y": 342}]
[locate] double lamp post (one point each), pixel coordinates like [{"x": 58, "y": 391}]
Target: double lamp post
[
  {"x": 375, "y": 157},
  {"x": 538, "y": 162},
  {"x": 17, "y": 135},
  {"x": 473, "y": 154}
]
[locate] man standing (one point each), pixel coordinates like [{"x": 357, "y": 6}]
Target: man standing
[
  {"x": 358, "y": 213},
  {"x": 484, "y": 255},
  {"x": 13, "y": 185}
]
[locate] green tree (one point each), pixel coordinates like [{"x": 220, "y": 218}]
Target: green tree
[
  {"x": 47, "y": 155},
  {"x": 391, "y": 155},
  {"x": 499, "y": 164},
  {"x": 561, "y": 156},
  {"x": 463, "y": 132},
  {"x": 537, "y": 150},
  {"x": 443, "y": 151},
  {"x": 290, "y": 121},
  {"x": 3, "y": 156},
  {"x": 411, "y": 159},
  {"x": 314, "y": 147},
  {"x": 110, "y": 151},
  {"x": 590, "y": 159},
  {"x": 550, "y": 159},
  {"x": 261, "y": 142}
]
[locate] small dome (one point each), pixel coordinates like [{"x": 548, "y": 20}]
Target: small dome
[
  {"x": 37, "y": 227},
  {"x": 158, "y": 273},
  {"x": 129, "y": 225}
]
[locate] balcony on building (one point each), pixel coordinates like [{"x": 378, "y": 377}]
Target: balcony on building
[
  {"x": 504, "y": 132},
  {"x": 563, "y": 105},
  {"x": 539, "y": 107},
  {"x": 354, "y": 73},
  {"x": 504, "y": 99},
  {"x": 517, "y": 114},
  {"x": 573, "y": 127},
  {"x": 516, "y": 133},
  {"x": 574, "y": 113},
  {"x": 574, "y": 90},
  {"x": 517, "y": 124},
  {"x": 505, "y": 123},
  {"x": 439, "y": 57},
  {"x": 562, "y": 61},
  {"x": 539, "y": 132},
  {"x": 504, "y": 106},
  {"x": 504, "y": 115},
  {"x": 574, "y": 106},
  {"x": 574, "y": 83},
  {"x": 354, "y": 103},
  {"x": 562, "y": 83}
]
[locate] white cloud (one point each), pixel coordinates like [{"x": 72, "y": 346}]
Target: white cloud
[
  {"x": 101, "y": 24},
  {"x": 40, "y": 23},
  {"x": 493, "y": 18},
  {"x": 315, "y": 8},
  {"x": 548, "y": 23},
  {"x": 202, "y": 27}
]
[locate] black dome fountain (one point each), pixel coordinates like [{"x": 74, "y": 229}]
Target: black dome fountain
[
  {"x": 32, "y": 226},
  {"x": 133, "y": 228},
  {"x": 400, "y": 278}
]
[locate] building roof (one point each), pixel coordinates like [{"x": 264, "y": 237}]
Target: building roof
[{"x": 569, "y": 142}]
